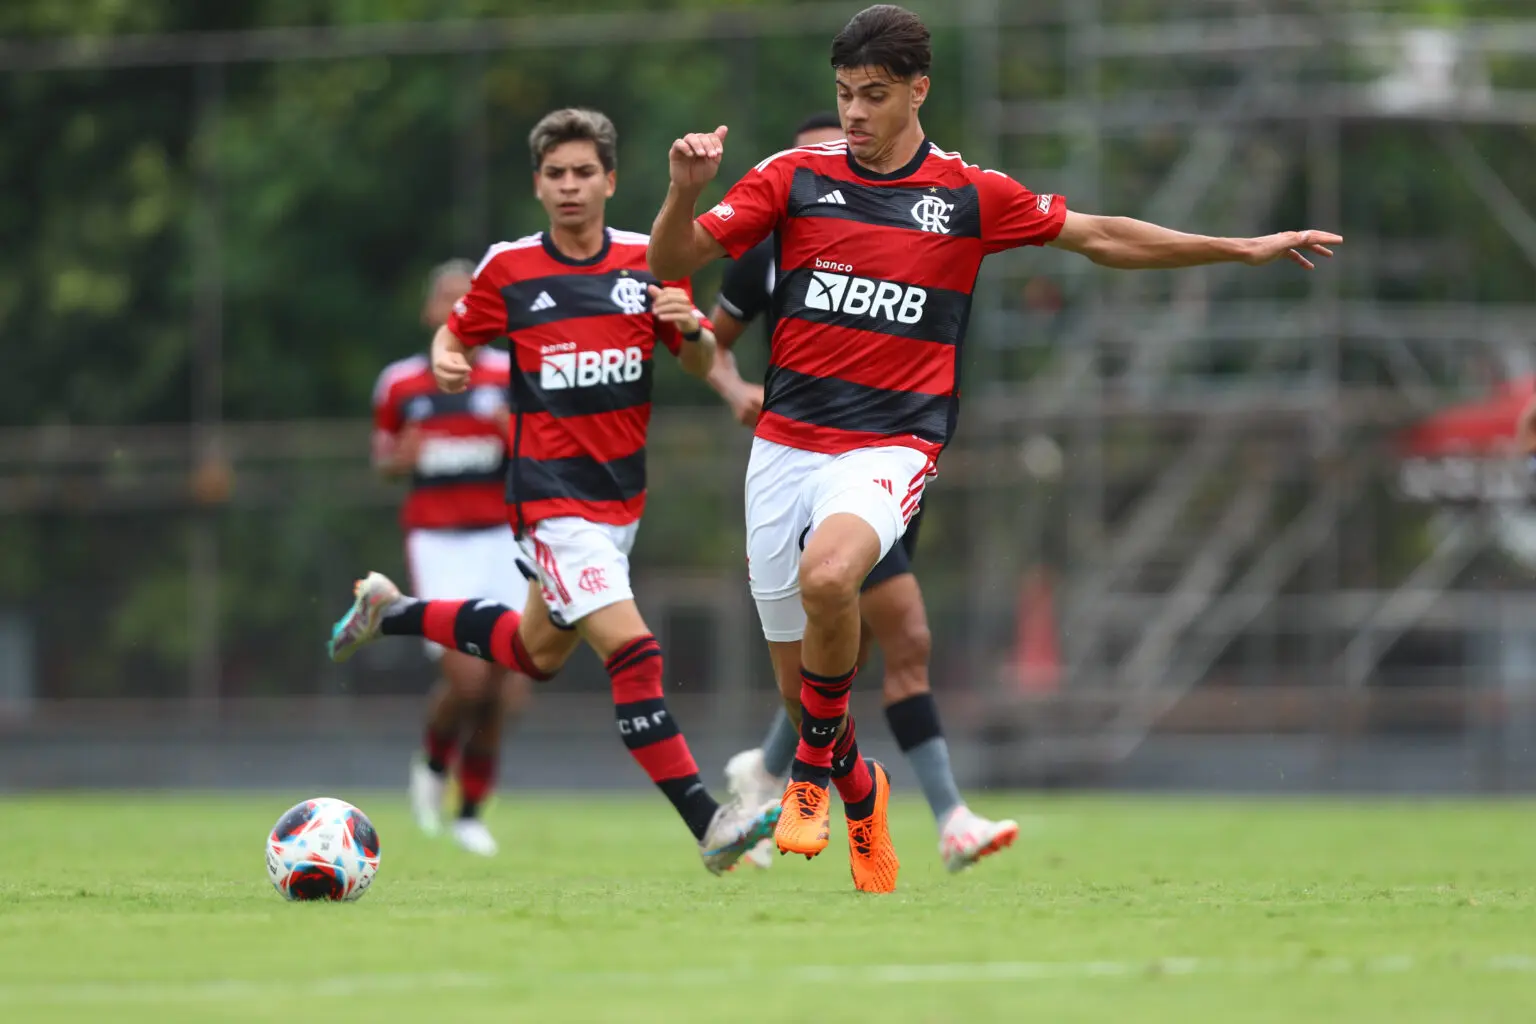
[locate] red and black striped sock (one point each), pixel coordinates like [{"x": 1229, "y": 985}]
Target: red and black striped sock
[
  {"x": 653, "y": 736},
  {"x": 477, "y": 774},
  {"x": 483, "y": 629},
  {"x": 852, "y": 775},
  {"x": 439, "y": 748},
  {"x": 823, "y": 703}
]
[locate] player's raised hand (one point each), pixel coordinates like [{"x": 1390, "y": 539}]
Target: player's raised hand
[
  {"x": 673, "y": 306},
  {"x": 695, "y": 159},
  {"x": 1293, "y": 245},
  {"x": 451, "y": 368}
]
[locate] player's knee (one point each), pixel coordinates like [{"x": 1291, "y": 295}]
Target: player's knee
[{"x": 829, "y": 584}]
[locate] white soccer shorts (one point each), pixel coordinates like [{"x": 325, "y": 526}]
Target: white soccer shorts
[
  {"x": 581, "y": 566},
  {"x": 790, "y": 492},
  {"x": 455, "y": 565}
]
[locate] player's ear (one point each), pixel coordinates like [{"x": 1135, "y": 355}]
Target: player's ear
[
  {"x": 613, "y": 183},
  {"x": 919, "y": 90}
]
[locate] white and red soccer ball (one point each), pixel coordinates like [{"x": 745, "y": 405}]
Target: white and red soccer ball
[{"x": 323, "y": 849}]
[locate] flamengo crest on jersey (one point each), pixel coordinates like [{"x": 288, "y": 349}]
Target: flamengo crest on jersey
[
  {"x": 875, "y": 275},
  {"x": 461, "y": 462},
  {"x": 583, "y": 337}
]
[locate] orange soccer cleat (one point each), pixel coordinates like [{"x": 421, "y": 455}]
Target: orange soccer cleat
[
  {"x": 871, "y": 854},
  {"x": 803, "y": 824}
]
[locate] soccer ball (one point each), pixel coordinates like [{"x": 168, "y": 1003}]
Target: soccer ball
[{"x": 322, "y": 849}]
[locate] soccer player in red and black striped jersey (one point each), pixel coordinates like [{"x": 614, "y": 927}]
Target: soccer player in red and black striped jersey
[
  {"x": 890, "y": 602},
  {"x": 880, "y": 239},
  {"x": 584, "y": 315},
  {"x": 453, "y": 449}
]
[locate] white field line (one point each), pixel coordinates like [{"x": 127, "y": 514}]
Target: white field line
[{"x": 878, "y": 974}]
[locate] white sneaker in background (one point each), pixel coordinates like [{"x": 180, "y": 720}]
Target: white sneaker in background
[
  {"x": 966, "y": 837},
  {"x": 472, "y": 835},
  {"x": 427, "y": 789}
]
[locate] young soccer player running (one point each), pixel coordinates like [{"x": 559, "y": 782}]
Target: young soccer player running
[
  {"x": 583, "y": 315},
  {"x": 453, "y": 449},
  {"x": 890, "y": 601},
  {"x": 862, "y": 391}
]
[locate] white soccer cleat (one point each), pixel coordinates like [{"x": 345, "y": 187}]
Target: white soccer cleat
[
  {"x": 733, "y": 831},
  {"x": 427, "y": 788},
  {"x": 750, "y": 783},
  {"x": 472, "y": 835},
  {"x": 966, "y": 837},
  {"x": 360, "y": 625}
]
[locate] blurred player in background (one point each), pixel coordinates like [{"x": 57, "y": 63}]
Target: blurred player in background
[
  {"x": 584, "y": 316},
  {"x": 880, "y": 240},
  {"x": 890, "y": 601},
  {"x": 453, "y": 449}
]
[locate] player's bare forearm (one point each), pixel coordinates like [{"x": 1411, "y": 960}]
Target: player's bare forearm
[
  {"x": 1124, "y": 243},
  {"x": 698, "y": 357},
  {"x": 724, "y": 377},
  {"x": 677, "y": 248}
]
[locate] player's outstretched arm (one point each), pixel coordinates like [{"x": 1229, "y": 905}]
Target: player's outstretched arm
[
  {"x": 1128, "y": 244},
  {"x": 679, "y": 246},
  {"x": 450, "y": 361}
]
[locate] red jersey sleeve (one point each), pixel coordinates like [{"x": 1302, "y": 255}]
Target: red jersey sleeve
[
  {"x": 386, "y": 416},
  {"x": 668, "y": 334},
  {"x": 754, "y": 206},
  {"x": 1012, "y": 215},
  {"x": 481, "y": 315}
]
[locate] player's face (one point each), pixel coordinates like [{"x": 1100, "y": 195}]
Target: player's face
[
  {"x": 815, "y": 135},
  {"x": 450, "y": 289},
  {"x": 572, "y": 185},
  {"x": 877, "y": 109}
]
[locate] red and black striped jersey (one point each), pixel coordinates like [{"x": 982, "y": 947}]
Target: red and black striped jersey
[
  {"x": 582, "y": 337},
  {"x": 462, "y": 461},
  {"x": 874, "y": 287}
]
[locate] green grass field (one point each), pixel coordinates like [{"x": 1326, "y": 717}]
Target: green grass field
[{"x": 130, "y": 908}]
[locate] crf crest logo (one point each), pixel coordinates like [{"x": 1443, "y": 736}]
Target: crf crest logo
[
  {"x": 932, "y": 214},
  {"x": 419, "y": 408},
  {"x": 629, "y": 295},
  {"x": 592, "y": 580},
  {"x": 486, "y": 402}
]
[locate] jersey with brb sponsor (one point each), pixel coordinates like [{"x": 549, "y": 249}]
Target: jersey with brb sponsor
[
  {"x": 874, "y": 287},
  {"x": 457, "y": 480},
  {"x": 582, "y": 336}
]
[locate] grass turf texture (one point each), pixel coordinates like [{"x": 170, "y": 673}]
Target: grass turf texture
[{"x": 129, "y": 908}]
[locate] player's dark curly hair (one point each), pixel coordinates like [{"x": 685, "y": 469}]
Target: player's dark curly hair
[
  {"x": 884, "y": 36},
  {"x": 575, "y": 124}
]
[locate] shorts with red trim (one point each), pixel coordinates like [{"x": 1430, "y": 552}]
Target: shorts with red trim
[
  {"x": 580, "y": 566},
  {"x": 791, "y": 491}
]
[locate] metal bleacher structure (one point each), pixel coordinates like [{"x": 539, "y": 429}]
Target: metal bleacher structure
[
  {"x": 1199, "y": 459},
  {"x": 1236, "y": 548}
]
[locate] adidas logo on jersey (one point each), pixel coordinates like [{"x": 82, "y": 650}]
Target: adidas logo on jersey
[
  {"x": 861, "y": 296},
  {"x": 542, "y": 303},
  {"x": 835, "y": 197}
]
